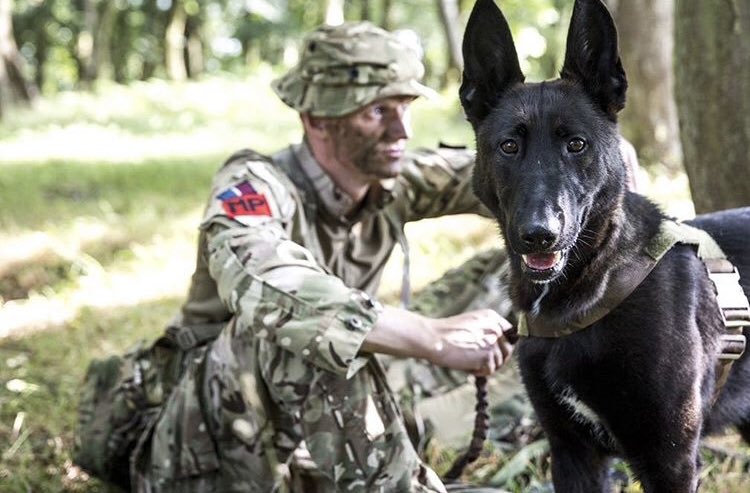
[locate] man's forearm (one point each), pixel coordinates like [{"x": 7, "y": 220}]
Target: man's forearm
[
  {"x": 471, "y": 341},
  {"x": 400, "y": 333}
]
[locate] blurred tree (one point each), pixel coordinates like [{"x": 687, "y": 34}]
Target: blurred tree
[
  {"x": 152, "y": 34},
  {"x": 365, "y": 10},
  {"x": 386, "y": 20},
  {"x": 14, "y": 88},
  {"x": 95, "y": 40},
  {"x": 649, "y": 120},
  {"x": 712, "y": 75},
  {"x": 334, "y": 12},
  {"x": 194, "y": 46},
  {"x": 174, "y": 41},
  {"x": 449, "y": 17}
]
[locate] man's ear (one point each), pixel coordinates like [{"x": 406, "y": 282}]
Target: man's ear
[
  {"x": 490, "y": 61},
  {"x": 592, "y": 57},
  {"x": 314, "y": 125}
]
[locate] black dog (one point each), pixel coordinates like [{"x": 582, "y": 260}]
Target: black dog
[{"x": 637, "y": 382}]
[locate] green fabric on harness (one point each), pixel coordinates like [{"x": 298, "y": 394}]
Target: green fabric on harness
[{"x": 673, "y": 232}]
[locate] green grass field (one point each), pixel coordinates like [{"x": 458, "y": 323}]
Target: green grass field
[{"x": 100, "y": 196}]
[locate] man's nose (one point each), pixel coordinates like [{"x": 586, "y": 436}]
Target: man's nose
[{"x": 399, "y": 127}]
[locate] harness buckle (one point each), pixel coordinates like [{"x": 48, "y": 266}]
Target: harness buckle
[
  {"x": 732, "y": 346},
  {"x": 729, "y": 293}
]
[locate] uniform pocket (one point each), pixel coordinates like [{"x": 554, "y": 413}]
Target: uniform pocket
[{"x": 182, "y": 445}]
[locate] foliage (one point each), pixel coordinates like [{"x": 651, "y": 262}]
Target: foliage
[{"x": 68, "y": 45}]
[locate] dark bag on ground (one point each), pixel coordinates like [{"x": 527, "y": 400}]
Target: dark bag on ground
[{"x": 122, "y": 396}]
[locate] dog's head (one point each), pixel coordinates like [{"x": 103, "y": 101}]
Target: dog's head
[{"x": 546, "y": 152}]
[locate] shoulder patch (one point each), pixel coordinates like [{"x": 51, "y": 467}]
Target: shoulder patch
[{"x": 244, "y": 200}]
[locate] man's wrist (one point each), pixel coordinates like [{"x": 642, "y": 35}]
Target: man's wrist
[{"x": 401, "y": 333}]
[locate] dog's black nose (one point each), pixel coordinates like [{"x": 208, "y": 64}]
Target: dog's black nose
[{"x": 538, "y": 237}]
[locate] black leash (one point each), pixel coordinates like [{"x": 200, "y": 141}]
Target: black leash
[
  {"x": 481, "y": 428},
  {"x": 481, "y": 423}
]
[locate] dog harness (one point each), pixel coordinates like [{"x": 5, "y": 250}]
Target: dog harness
[{"x": 732, "y": 302}]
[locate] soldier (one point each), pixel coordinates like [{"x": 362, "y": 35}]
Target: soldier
[{"x": 291, "y": 251}]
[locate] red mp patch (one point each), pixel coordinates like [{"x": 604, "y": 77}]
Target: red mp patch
[{"x": 244, "y": 200}]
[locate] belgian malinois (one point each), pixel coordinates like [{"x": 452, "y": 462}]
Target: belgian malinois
[{"x": 637, "y": 382}]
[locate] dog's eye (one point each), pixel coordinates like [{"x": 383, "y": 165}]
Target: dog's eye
[
  {"x": 509, "y": 146},
  {"x": 576, "y": 145}
]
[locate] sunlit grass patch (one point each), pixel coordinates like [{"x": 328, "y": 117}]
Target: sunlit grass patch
[{"x": 151, "y": 120}]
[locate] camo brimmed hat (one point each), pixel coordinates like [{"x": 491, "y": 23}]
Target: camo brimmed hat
[{"x": 343, "y": 68}]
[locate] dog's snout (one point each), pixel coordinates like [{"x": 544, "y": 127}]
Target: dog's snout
[{"x": 539, "y": 236}]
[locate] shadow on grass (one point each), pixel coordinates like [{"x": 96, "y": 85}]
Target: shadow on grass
[{"x": 41, "y": 376}]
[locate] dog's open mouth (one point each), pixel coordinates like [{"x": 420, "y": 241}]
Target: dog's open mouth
[
  {"x": 542, "y": 261},
  {"x": 542, "y": 267}
]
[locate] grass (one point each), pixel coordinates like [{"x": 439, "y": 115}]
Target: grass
[
  {"x": 100, "y": 197},
  {"x": 41, "y": 374}
]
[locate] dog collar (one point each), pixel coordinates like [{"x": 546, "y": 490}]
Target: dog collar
[{"x": 621, "y": 286}]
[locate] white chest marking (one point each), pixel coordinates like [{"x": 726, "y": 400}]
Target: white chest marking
[{"x": 584, "y": 415}]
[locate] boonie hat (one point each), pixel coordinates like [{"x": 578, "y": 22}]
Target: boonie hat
[{"x": 343, "y": 68}]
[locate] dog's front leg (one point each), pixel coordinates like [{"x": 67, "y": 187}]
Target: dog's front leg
[
  {"x": 579, "y": 459},
  {"x": 668, "y": 471},
  {"x": 578, "y": 466}
]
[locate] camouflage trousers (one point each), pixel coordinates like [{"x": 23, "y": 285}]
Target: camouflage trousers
[{"x": 244, "y": 406}]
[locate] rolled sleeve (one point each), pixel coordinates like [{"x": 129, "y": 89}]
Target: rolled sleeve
[
  {"x": 440, "y": 184},
  {"x": 279, "y": 293}
]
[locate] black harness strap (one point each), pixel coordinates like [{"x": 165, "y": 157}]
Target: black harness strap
[{"x": 731, "y": 300}]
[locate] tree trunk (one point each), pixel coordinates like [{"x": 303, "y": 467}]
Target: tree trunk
[
  {"x": 449, "y": 18},
  {"x": 649, "y": 120},
  {"x": 14, "y": 88},
  {"x": 85, "y": 47},
  {"x": 334, "y": 12},
  {"x": 386, "y": 21},
  {"x": 121, "y": 49},
  {"x": 95, "y": 39},
  {"x": 195, "y": 63},
  {"x": 175, "y": 42},
  {"x": 712, "y": 86},
  {"x": 365, "y": 10},
  {"x": 104, "y": 38}
]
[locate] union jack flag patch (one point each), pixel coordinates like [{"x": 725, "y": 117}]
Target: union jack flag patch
[{"x": 244, "y": 200}]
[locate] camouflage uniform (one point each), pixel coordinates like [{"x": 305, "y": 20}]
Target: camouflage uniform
[{"x": 294, "y": 275}]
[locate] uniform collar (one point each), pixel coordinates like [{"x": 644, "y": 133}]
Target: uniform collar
[{"x": 335, "y": 201}]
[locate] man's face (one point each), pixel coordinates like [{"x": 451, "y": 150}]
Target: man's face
[{"x": 372, "y": 140}]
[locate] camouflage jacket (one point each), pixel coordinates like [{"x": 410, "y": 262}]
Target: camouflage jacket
[{"x": 257, "y": 246}]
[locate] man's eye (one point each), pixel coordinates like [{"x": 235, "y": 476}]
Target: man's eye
[
  {"x": 576, "y": 145},
  {"x": 510, "y": 146},
  {"x": 378, "y": 110}
]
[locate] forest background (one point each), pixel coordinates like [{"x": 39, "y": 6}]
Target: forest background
[{"x": 114, "y": 114}]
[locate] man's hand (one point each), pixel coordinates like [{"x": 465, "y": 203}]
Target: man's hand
[{"x": 473, "y": 341}]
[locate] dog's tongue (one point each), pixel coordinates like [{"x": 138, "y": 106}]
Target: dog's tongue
[{"x": 541, "y": 261}]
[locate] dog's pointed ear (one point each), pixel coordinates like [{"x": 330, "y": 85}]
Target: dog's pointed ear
[
  {"x": 490, "y": 61},
  {"x": 592, "y": 57}
]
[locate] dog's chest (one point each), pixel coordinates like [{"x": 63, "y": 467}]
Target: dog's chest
[{"x": 582, "y": 414}]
